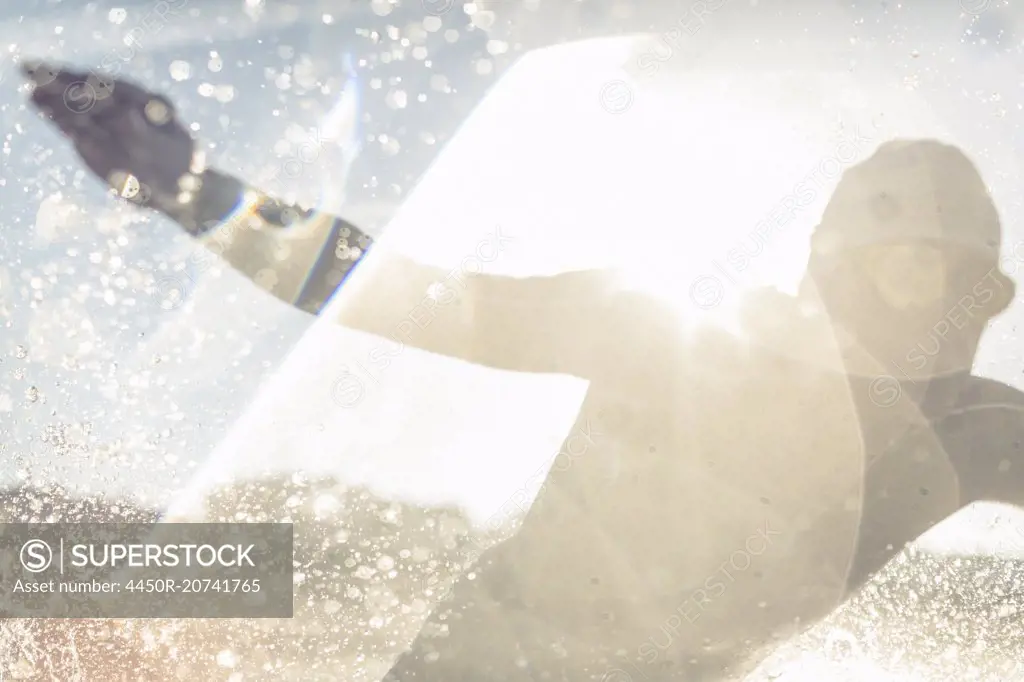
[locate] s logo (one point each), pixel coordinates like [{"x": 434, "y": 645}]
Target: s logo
[{"x": 79, "y": 97}]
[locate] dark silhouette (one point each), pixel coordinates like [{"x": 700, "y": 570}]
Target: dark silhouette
[{"x": 762, "y": 478}]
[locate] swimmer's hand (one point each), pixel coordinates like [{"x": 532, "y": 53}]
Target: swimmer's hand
[{"x": 127, "y": 136}]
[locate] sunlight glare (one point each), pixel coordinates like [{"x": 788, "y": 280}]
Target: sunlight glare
[{"x": 700, "y": 153}]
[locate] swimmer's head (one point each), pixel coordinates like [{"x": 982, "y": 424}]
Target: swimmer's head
[{"x": 907, "y": 256}]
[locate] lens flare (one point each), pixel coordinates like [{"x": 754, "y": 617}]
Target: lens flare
[{"x": 341, "y": 133}]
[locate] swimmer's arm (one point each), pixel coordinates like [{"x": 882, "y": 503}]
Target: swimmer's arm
[
  {"x": 531, "y": 324},
  {"x": 276, "y": 245}
]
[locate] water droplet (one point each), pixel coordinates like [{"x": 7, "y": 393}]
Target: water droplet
[
  {"x": 180, "y": 70},
  {"x": 226, "y": 659}
]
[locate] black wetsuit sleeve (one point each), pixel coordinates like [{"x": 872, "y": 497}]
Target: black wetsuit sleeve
[
  {"x": 565, "y": 324},
  {"x": 217, "y": 208}
]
